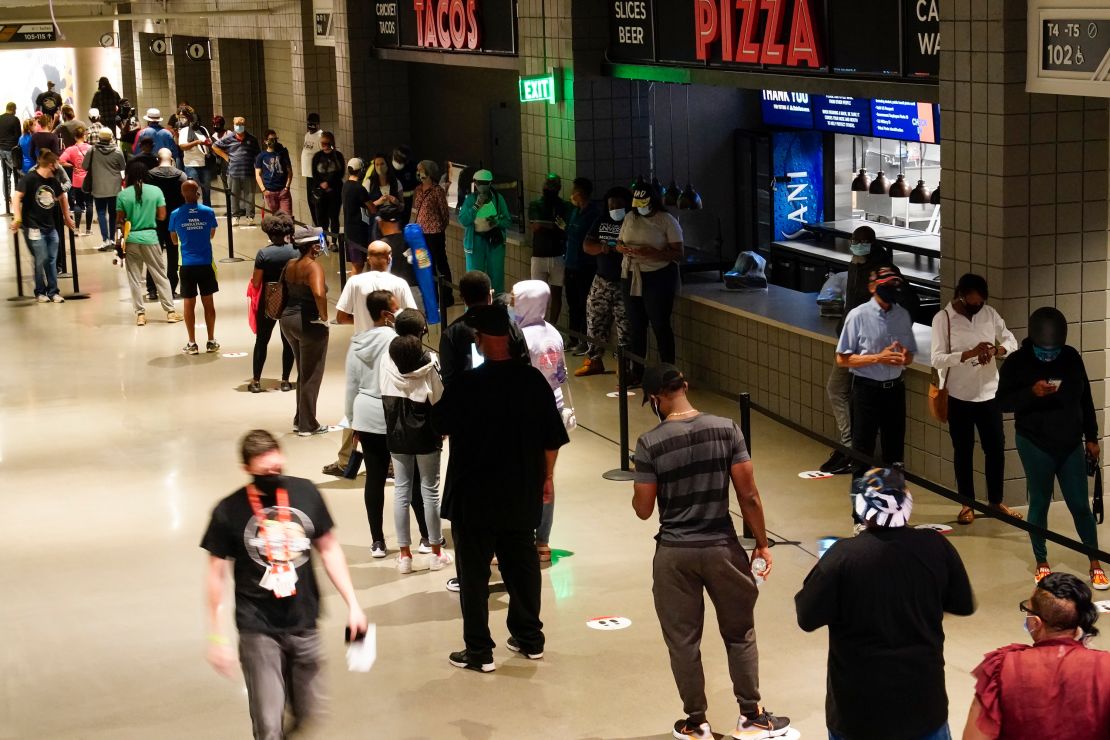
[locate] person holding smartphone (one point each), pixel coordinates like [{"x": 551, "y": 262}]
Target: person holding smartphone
[{"x": 1044, "y": 383}]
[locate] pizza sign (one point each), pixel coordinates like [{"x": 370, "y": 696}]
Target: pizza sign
[{"x": 735, "y": 27}]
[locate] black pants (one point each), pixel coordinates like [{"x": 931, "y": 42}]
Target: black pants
[
  {"x": 437, "y": 245},
  {"x": 308, "y": 188},
  {"x": 577, "y": 284},
  {"x": 63, "y": 242},
  {"x": 327, "y": 211},
  {"x": 81, "y": 202},
  {"x": 375, "y": 453},
  {"x": 652, "y": 308},
  {"x": 878, "y": 413},
  {"x": 265, "y": 326},
  {"x": 163, "y": 229},
  {"x": 520, "y": 567},
  {"x": 964, "y": 417}
]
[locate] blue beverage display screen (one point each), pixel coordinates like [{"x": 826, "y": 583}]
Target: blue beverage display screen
[
  {"x": 781, "y": 108},
  {"x": 842, "y": 115}
]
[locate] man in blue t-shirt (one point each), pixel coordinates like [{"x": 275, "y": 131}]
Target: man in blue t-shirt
[{"x": 192, "y": 228}]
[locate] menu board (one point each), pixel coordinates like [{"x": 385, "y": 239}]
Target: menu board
[
  {"x": 904, "y": 119},
  {"x": 859, "y": 37},
  {"x": 781, "y": 108},
  {"x": 842, "y": 115}
]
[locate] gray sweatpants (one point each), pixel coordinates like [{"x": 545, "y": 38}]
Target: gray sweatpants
[
  {"x": 840, "y": 397},
  {"x": 242, "y": 196},
  {"x": 681, "y": 576},
  {"x": 152, "y": 258},
  {"x": 282, "y": 669}
]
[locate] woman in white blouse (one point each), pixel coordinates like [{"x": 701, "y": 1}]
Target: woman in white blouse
[{"x": 968, "y": 335}]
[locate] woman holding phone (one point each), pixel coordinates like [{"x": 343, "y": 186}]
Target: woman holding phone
[{"x": 1045, "y": 385}]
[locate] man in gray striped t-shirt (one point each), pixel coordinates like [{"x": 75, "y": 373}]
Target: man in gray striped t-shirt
[{"x": 686, "y": 464}]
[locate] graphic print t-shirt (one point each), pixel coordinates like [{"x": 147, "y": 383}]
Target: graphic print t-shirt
[
  {"x": 607, "y": 231},
  {"x": 40, "y": 198},
  {"x": 193, "y": 224},
  {"x": 235, "y": 534}
]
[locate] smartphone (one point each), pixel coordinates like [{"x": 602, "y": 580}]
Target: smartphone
[
  {"x": 1054, "y": 382},
  {"x": 347, "y": 635}
]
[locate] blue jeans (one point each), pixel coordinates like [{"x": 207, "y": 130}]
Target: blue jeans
[
  {"x": 547, "y": 518},
  {"x": 106, "y": 216},
  {"x": 940, "y": 733},
  {"x": 45, "y": 251},
  {"x": 204, "y": 179},
  {"x": 408, "y": 472}
]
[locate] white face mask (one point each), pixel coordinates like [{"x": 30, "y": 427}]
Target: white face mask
[
  {"x": 644, "y": 210},
  {"x": 240, "y": 129},
  {"x": 398, "y": 165},
  {"x": 617, "y": 214}
]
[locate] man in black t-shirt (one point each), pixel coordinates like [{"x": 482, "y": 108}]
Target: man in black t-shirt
[
  {"x": 456, "y": 343},
  {"x": 505, "y": 436},
  {"x": 604, "y": 304},
  {"x": 268, "y": 529},
  {"x": 883, "y": 595},
  {"x": 49, "y": 103},
  {"x": 37, "y": 199},
  {"x": 356, "y": 218}
]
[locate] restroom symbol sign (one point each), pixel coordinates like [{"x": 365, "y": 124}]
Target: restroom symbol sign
[
  {"x": 609, "y": 623},
  {"x": 159, "y": 47},
  {"x": 197, "y": 51}
]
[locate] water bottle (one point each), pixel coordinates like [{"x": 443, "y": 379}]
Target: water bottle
[{"x": 759, "y": 568}]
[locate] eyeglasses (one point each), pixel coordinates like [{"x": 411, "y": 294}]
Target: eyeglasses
[{"x": 1025, "y": 608}]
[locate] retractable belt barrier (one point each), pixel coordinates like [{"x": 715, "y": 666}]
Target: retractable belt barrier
[{"x": 73, "y": 273}]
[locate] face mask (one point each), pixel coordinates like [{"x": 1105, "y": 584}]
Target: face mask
[
  {"x": 269, "y": 483},
  {"x": 240, "y": 128},
  {"x": 972, "y": 310},
  {"x": 888, "y": 293},
  {"x": 421, "y": 176},
  {"x": 860, "y": 249},
  {"x": 656, "y": 410},
  {"x": 398, "y": 165},
  {"x": 644, "y": 210},
  {"x": 550, "y": 193},
  {"x": 312, "y": 127},
  {"x": 617, "y": 214},
  {"x": 1045, "y": 354},
  {"x": 483, "y": 187},
  {"x": 271, "y": 143}
]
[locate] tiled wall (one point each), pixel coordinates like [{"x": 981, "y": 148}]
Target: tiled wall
[
  {"x": 243, "y": 82},
  {"x": 191, "y": 80},
  {"x": 152, "y": 89}
]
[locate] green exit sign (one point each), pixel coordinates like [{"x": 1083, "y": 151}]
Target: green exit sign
[{"x": 538, "y": 88}]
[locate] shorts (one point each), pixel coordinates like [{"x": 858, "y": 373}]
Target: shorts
[
  {"x": 197, "y": 279},
  {"x": 356, "y": 253},
  {"x": 548, "y": 269}
]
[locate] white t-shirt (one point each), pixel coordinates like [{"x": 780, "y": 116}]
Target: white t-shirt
[
  {"x": 191, "y": 157},
  {"x": 353, "y": 298},
  {"x": 311, "y": 146}
]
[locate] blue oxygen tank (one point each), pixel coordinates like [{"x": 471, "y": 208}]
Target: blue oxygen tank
[{"x": 421, "y": 258}]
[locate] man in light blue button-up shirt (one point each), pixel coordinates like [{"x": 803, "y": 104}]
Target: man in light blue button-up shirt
[{"x": 876, "y": 345}]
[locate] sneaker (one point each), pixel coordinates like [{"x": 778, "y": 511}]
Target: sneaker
[
  {"x": 333, "y": 469},
  {"x": 425, "y": 546},
  {"x": 1099, "y": 581},
  {"x": 441, "y": 561},
  {"x": 42, "y": 299},
  {"x": 404, "y": 563},
  {"x": 235, "y": 221},
  {"x": 837, "y": 464},
  {"x": 590, "y": 367},
  {"x": 57, "y": 298},
  {"x": 377, "y": 550},
  {"x": 88, "y": 232},
  {"x": 250, "y": 222},
  {"x": 107, "y": 246},
  {"x": 255, "y": 386},
  {"x": 529, "y": 654},
  {"x": 212, "y": 346},
  {"x": 191, "y": 349},
  {"x": 1042, "y": 571},
  {"x": 686, "y": 729},
  {"x": 173, "y": 317},
  {"x": 317, "y": 430},
  {"x": 140, "y": 319},
  {"x": 763, "y": 725},
  {"x": 286, "y": 386},
  {"x": 453, "y": 585},
  {"x": 463, "y": 659},
  {"x": 152, "y": 296}
]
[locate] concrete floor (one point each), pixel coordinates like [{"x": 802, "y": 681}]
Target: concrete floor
[{"x": 114, "y": 447}]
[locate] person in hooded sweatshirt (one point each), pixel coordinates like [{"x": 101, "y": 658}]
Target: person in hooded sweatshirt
[
  {"x": 104, "y": 163},
  {"x": 545, "y": 348},
  {"x": 410, "y": 387},
  {"x": 366, "y": 357},
  {"x": 1044, "y": 383}
]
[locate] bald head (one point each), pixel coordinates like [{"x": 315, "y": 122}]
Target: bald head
[
  {"x": 378, "y": 256},
  {"x": 190, "y": 190},
  {"x": 165, "y": 156}
]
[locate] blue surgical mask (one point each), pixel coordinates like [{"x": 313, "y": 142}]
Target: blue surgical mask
[
  {"x": 860, "y": 249},
  {"x": 644, "y": 210},
  {"x": 617, "y": 214},
  {"x": 1046, "y": 354},
  {"x": 240, "y": 128}
]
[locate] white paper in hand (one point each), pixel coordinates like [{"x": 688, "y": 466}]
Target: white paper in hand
[{"x": 361, "y": 654}]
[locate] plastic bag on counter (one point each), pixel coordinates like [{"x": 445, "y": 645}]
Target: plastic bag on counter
[
  {"x": 749, "y": 273},
  {"x": 830, "y": 299}
]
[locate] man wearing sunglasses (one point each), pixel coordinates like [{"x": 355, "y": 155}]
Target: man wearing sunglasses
[{"x": 1057, "y": 685}]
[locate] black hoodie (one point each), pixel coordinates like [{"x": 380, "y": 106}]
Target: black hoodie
[{"x": 1058, "y": 422}]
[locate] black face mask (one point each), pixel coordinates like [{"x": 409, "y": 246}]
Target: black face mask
[
  {"x": 972, "y": 310},
  {"x": 888, "y": 293},
  {"x": 269, "y": 483}
]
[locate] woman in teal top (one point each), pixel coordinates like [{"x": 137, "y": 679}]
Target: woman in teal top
[
  {"x": 485, "y": 216},
  {"x": 138, "y": 208}
]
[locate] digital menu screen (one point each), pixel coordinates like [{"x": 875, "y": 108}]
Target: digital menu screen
[
  {"x": 842, "y": 115},
  {"x": 781, "y": 108},
  {"x": 905, "y": 120}
]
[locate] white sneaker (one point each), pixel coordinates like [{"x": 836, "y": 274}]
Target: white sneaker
[
  {"x": 377, "y": 550},
  {"x": 57, "y": 298},
  {"x": 42, "y": 299},
  {"x": 404, "y": 563},
  {"x": 235, "y": 221},
  {"x": 441, "y": 561}
]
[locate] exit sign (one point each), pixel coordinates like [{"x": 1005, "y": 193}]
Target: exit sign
[{"x": 538, "y": 88}]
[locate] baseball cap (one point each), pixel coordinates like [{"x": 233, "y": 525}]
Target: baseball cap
[
  {"x": 659, "y": 377},
  {"x": 552, "y": 179},
  {"x": 105, "y": 134},
  {"x": 307, "y": 234},
  {"x": 153, "y": 114},
  {"x": 356, "y": 164},
  {"x": 641, "y": 194},
  {"x": 492, "y": 320},
  {"x": 94, "y": 113},
  {"x": 888, "y": 275},
  {"x": 483, "y": 176},
  {"x": 881, "y": 497}
]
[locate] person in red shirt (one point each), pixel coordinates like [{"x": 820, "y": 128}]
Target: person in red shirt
[{"x": 1055, "y": 687}]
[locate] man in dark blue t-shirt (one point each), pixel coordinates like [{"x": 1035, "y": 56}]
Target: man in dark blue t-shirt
[
  {"x": 274, "y": 174},
  {"x": 192, "y": 228}
]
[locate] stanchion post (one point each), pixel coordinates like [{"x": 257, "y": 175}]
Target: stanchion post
[
  {"x": 746, "y": 430},
  {"x": 230, "y": 230},
  {"x": 7, "y": 188},
  {"x": 76, "y": 295},
  {"x": 18, "y": 270},
  {"x": 341, "y": 248},
  {"x": 624, "y": 472}
]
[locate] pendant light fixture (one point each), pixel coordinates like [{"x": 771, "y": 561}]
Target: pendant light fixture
[
  {"x": 921, "y": 194},
  {"x": 861, "y": 182},
  {"x": 935, "y": 197},
  {"x": 900, "y": 188},
  {"x": 880, "y": 184}
]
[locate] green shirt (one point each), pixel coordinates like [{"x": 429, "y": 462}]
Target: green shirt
[{"x": 142, "y": 215}]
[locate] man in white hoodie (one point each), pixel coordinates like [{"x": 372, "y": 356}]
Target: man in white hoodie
[{"x": 545, "y": 347}]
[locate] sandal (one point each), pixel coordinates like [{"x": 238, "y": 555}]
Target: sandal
[
  {"x": 966, "y": 516},
  {"x": 1044, "y": 570},
  {"x": 1099, "y": 582},
  {"x": 1004, "y": 509}
]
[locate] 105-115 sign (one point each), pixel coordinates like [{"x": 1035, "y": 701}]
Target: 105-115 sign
[{"x": 1069, "y": 50}]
